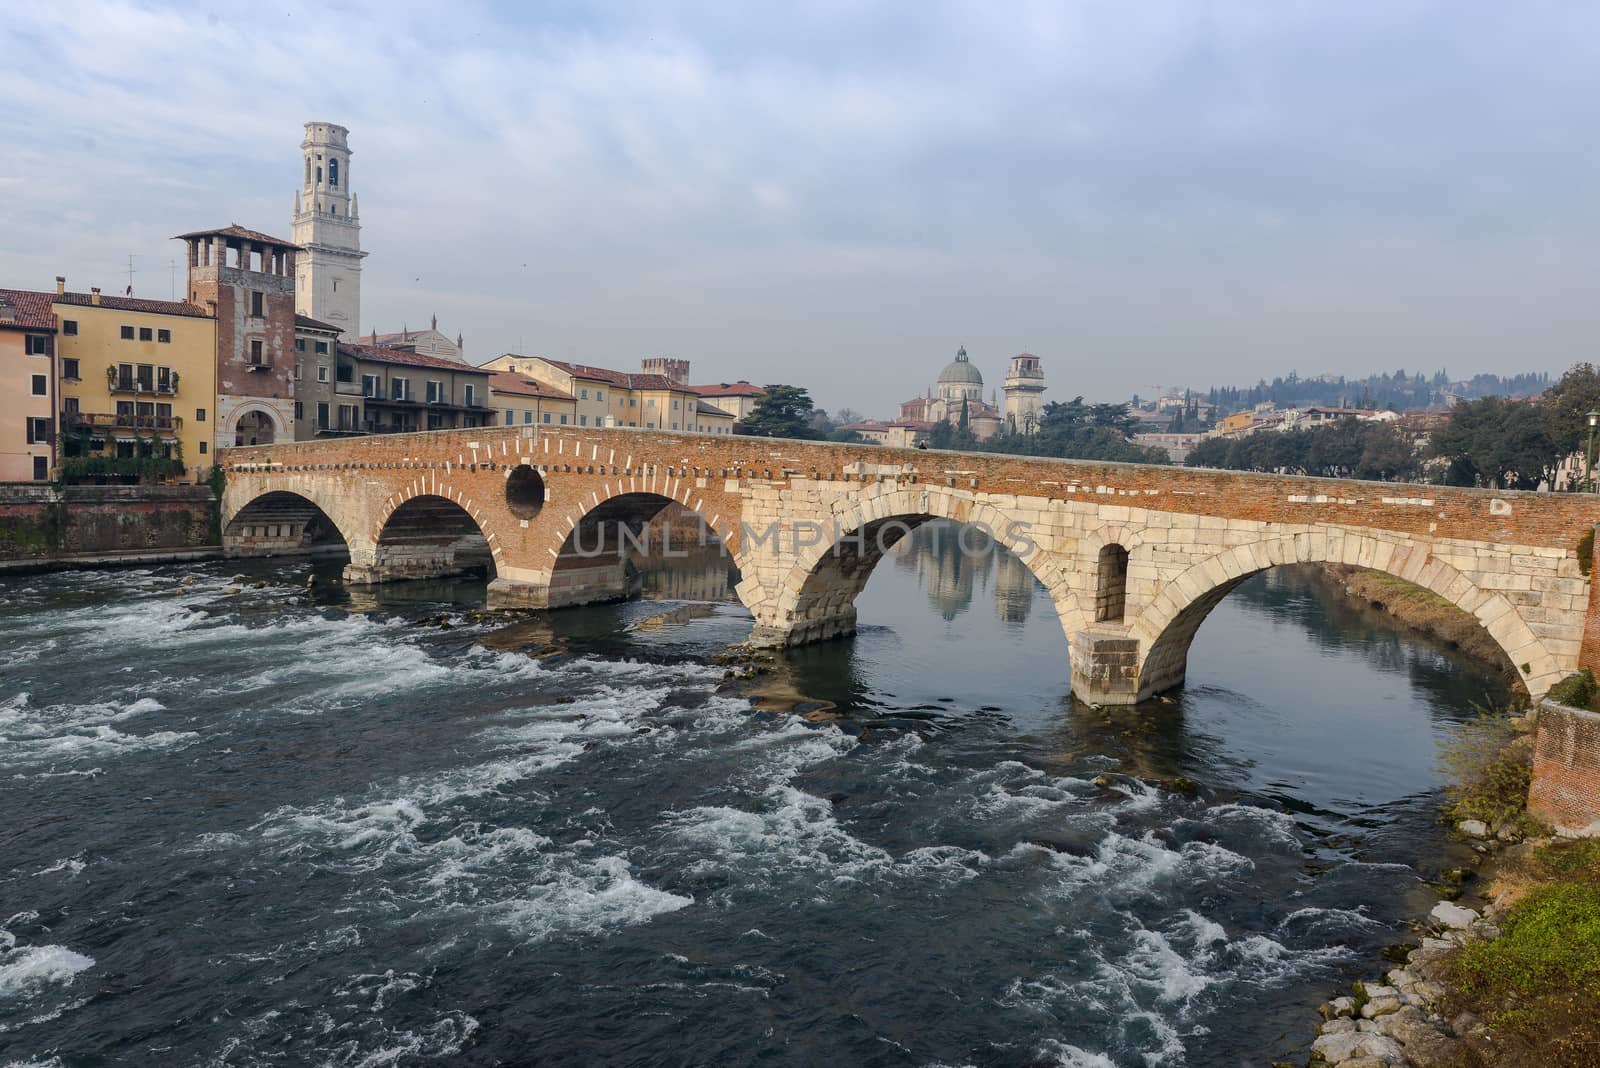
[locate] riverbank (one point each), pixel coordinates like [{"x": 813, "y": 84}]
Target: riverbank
[{"x": 1507, "y": 970}]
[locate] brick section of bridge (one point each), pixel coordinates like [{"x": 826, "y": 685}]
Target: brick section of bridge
[
  {"x": 1508, "y": 558},
  {"x": 1566, "y": 769}
]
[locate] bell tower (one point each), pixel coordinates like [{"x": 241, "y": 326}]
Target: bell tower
[
  {"x": 327, "y": 226},
  {"x": 1024, "y": 384}
]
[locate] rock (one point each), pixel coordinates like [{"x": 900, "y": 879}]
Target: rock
[
  {"x": 1345, "y": 1006},
  {"x": 1438, "y": 945},
  {"x": 1365, "y": 1062},
  {"x": 1453, "y": 915},
  {"x": 1484, "y": 932},
  {"x": 1401, "y": 1020},
  {"x": 1337, "y": 1049},
  {"x": 1473, "y": 828},
  {"x": 1381, "y": 1006},
  {"x": 1466, "y": 1023},
  {"x": 1342, "y": 1026},
  {"x": 1430, "y": 1049},
  {"x": 1400, "y": 979},
  {"x": 1430, "y": 991},
  {"x": 1378, "y": 990}
]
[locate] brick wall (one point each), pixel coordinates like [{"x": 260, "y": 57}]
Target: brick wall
[
  {"x": 1566, "y": 769},
  {"x": 47, "y": 524}
]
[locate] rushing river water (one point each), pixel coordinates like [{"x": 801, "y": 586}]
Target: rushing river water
[{"x": 274, "y": 828}]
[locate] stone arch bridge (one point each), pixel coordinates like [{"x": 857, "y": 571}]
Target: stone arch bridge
[{"x": 1134, "y": 557}]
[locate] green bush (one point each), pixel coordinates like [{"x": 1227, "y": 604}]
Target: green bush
[
  {"x": 1488, "y": 771},
  {"x": 1575, "y": 691},
  {"x": 1550, "y": 944}
]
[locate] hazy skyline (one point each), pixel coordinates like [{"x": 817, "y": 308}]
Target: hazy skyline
[{"x": 839, "y": 196}]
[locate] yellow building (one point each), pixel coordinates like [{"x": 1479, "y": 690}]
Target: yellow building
[
  {"x": 138, "y": 378},
  {"x": 603, "y": 397},
  {"x": 27, "y": 386},
  {"x": 519, "y": 401},
  {"x": 1232, "y": 424}
]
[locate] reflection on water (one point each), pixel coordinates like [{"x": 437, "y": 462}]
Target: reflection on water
[{"x": 953, "y": 562}]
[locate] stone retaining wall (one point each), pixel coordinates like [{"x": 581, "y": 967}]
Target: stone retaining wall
[{"x": 40, "y": 524}]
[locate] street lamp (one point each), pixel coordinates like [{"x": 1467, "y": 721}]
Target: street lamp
[{"x": 1588, "y": 453}]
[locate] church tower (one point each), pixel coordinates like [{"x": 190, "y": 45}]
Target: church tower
[
  {"x": 327, "y": 227},
  {"x": 1024, "y": 384}
]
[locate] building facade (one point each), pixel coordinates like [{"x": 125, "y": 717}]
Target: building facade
[
  {"x": 28, "y": 385},
  {"x": 246, "y": 281},
  {"x": 521, "y": 401},
  {"x": 402, "y": 391},
  {"x": 959, "y": 389},
  {"x": 138, "y": 378},
  {"x": 429, "y": 342},
  {"x": 327, "y": 228},
  {"x": 327, "y": 389},
  {"x": 738, "y": 399},
  {"x": 603, "y": 397}
]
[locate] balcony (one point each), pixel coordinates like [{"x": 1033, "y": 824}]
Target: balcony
[
  {"x": 161, "y": 424},
  {"x": 140, "y": 386}
]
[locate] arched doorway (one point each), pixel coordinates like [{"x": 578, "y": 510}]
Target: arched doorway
[{"x": 254, "y": 427}]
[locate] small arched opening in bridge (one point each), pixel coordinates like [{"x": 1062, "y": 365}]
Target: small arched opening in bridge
[
  {"x": 280, "y": 523},
  {"x": 525, "y": 492},
  {"x": 428, "y": 536},
  {"x": 1111, "y": 585},
  {"x": 642, "y": 545},
  {"x": 1492, "y": 634}
]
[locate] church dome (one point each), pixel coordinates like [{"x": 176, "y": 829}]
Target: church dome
[{"x": 960, "y": 372}]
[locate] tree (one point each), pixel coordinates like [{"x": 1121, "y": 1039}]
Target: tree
[
  {"x": 1497, "y": 442},
  {"x": 1567, "y": 405},
  {"x": 781, "y": 412}
]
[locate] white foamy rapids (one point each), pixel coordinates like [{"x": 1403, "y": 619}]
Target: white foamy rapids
[
  {"x": 1141, "y": 865},
  {"x": 1067, "y": 1055},
  {"x": 1014, "y": 792},
  {"x": 1321, "y": 924},
  {"x": 27, "y": 970},
  {"x": 1162, "y": 987},
  {"x": 30, "y": 735},
  {"x": 586, "y": 896},
  {"x": 778, "y": 754}
]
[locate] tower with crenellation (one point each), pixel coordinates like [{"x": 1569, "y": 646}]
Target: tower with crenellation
[{"x": 1024, "y": 384}]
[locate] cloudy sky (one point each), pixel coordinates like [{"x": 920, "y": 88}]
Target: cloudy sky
[{"x": 839, "y": 194}]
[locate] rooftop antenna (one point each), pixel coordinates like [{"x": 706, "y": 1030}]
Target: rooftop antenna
[
  {"x": 172, "y": 268},
  {"x": 130, "y": 274}
]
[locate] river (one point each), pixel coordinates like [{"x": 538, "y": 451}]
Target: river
[{"x": 283, "y": 827}]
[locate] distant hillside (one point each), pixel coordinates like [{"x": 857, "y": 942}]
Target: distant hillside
[{"x": 1399, "y": 391}]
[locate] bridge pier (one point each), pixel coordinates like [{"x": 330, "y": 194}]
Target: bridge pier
[
  {"x": 280, "y": 537},
  {"x": 402, "y": 563},
  {"x": 1106, "y": 666}
]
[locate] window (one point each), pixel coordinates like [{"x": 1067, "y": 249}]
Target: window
[
  {"x": 258, "y": 303},
  {"x": 41, "y": 468},
  {"x": 69, "y": 327},
  {"x": 333, "y": 174},
  {"x": 470, "y": 394},
  {"x": 127, "y": 333},
  {"x": 41, "y": 386},
  {"x": 297, "y": 370},
  {"x": 510, "y": 416},
  {"x": 146, "y": 334},
  {"x": 321, "y": 348},
  {"x": 435, "y": 391},
  {"x": 322, "y": 415},
  {"x": 69, "y": 369},
  {"x": 199, "y": 415},
  {"x": 38, "y": 345},
  {"x": 1111, "y": 584},
  {"x": 164, "y": 382},
  {"x": 349, "y": 416},
  {"x": 633, "y": 402},
  {"x": 322, "y": 373},
  {"x": 164, "y": 337},
  {"x": 649, "y": 426},
  {"x": 147, "y": 377},
  {"x": 527, "y": 416},
  {"x": 202, "y": 448},
  {"x": 371, "y": 386},
  {"x": 599, "y": 394},
  {"x": 674, "y": 404},
  {"x": 38, "y": 431},
  {"x": 299, "y": 344},
  {"x": 308, "y": 170},
  {"x": 299, "y": 410},
  {"x": 650, "y": 402},
  {"x": 583, "y": 394},
  {"x": 547, "y": 417},
  {"x": 583, "y": 420},
  {"x": 257, "y": 357},
  {"x": 400, "y": 389},
  {"x": 563, "y": 420}
]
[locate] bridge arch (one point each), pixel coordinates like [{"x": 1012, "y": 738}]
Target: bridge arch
[
  {"x": 833, "y": 561},
  {"x": 598, "y": 534},
  {"x": 285, "y": 521},
  {"x": 430, "y": 531},
  {"x": 1167, "y": 626}
]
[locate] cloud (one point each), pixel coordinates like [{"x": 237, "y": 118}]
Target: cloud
[{"x": 841, "y": 194}]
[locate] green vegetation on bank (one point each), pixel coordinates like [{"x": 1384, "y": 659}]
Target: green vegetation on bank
[
  {"x": 1576, "y": 691},
  {"x": 1537, "y": 986},
  {"x": 1490, "y": 766}
]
